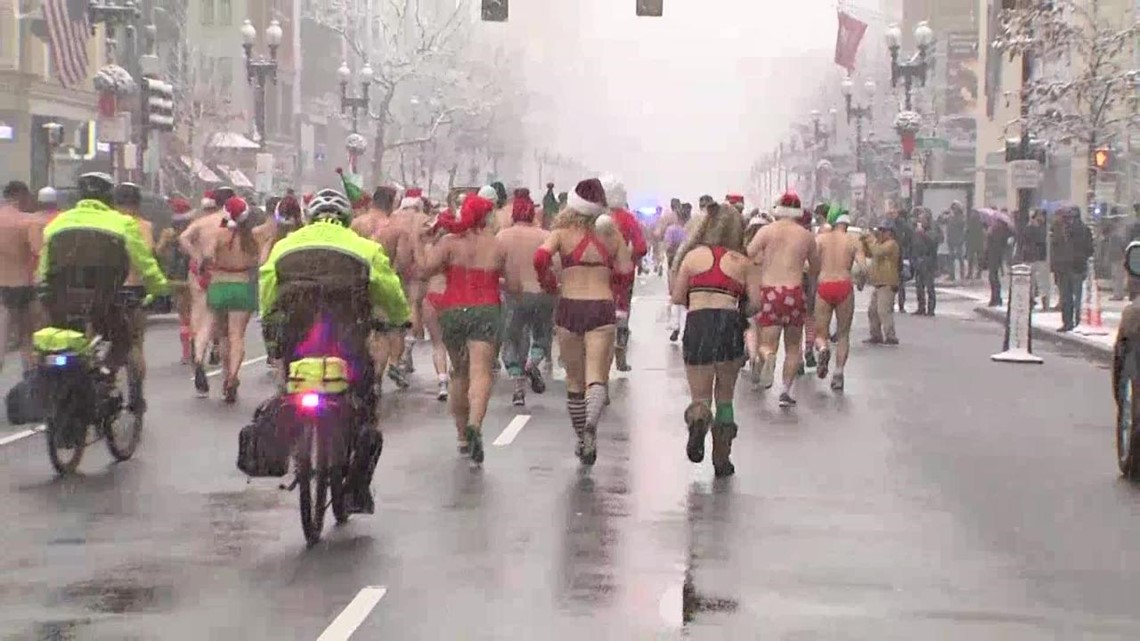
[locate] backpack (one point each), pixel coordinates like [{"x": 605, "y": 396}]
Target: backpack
[{"x": 263, "y": 450}]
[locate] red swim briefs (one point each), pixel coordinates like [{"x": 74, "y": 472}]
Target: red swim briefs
[{"x": 835, "y": 292}]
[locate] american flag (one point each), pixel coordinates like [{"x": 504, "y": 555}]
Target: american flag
[{"x": 68, "y": 31}]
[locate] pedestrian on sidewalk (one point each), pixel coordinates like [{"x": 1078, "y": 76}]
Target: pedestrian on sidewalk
[
  {"x": 904, "y": 236},
  {"x": 927, "y": 238},
  {"x": 1117, "y": 241},
  {"x": 1072, "y": 247},
  {"x": 885, "y": 277},
  {"x": 956, "y": 239},
  {"x": 975, "y": 243},
  {"x": 1036, "y": 256},
  {"x": 996, "y": 243}
]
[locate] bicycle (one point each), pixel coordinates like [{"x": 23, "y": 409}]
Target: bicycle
[{"x": 80, "y": 393}]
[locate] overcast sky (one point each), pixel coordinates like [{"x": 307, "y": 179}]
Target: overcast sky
[{"x": 676, "y": 105}]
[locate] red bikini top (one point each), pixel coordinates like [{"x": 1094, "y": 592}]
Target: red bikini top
[
  {"x": 715, "y": 280},
  {"x": 574, "y": 258}
]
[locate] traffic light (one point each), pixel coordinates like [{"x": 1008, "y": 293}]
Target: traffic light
[
  {"x": 495, "y": 10},
  {"x": 158, "y": 104},
  {"x": 1102, "y": 159},
  {"x": 650, "y": 8}
]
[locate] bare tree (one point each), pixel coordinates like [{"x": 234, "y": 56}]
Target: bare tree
[{"x": 1084, "y": 81}]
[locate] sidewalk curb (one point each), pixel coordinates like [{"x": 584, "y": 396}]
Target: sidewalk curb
[{"x": 1092, "y": 350}]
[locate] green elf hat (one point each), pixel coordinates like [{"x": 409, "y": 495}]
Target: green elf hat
[
  {"x": 351, "y": 186},
  {"x": 834, "y": 213}
]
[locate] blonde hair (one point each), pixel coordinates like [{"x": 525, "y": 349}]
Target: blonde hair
[
  {"x": 570, "y": 218},
  {"x": 720, "y": 226}
]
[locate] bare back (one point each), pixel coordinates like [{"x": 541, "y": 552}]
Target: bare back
[
  {"x": 365, "y": 225},
  {"x": 16, "y": 255},
  {"x": 201, "y": 235},
  {"x": 782, "y": 249},
  {"x": 589, "y": 282},
  {"x": 235, "y": 252},
  {"x": 397, "y": 243},
  {"x": 699, "y": 260},
  {"x": 476, "y": 249},
  {"x": 837, "y": 252},
  {"x": 520, "y": 242}
]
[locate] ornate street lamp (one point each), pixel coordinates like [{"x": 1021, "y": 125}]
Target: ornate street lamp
[{"x": 261, "y": 70}]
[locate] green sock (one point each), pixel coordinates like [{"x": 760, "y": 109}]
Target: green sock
[{"x": 724, "y": 413}]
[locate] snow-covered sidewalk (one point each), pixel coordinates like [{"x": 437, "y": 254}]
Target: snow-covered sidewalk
[{"x": 1046, "y": 323}]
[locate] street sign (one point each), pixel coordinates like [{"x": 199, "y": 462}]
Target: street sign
[
  {"x": 264, "y": 176},
  {"x": 858, "y": 181},
  {"x": 926, "y": 144},
  {"x": 906, "y": 170},
  {"x": 115, "y": 129},
  {"x": 857, "y": 193},
  {"x": 1025, "y": 174}
]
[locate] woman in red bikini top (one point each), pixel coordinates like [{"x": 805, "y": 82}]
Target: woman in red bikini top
[
  {"x": 595, "y": 262},
  {"x": 469, "y": 313}
]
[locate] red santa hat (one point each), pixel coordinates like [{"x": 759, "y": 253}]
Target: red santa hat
[
  {"x": 734, "y": 199},
  {"x": 788, "y": 206},
  {"x": 588, "y": 197},
  {"x": 179, "y": 205},
  {"x": 474, "y": 212},
  {"x": 413, "y": 198},
  {"x": 307, "y": 198},
  {"x": 523, "y": 208},
  {"x": 287, "y": 209},
  {"x": 237, "y": 212},
  {"x": 209, "y": 201}
]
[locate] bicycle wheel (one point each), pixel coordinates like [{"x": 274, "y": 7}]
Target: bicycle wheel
[
  {"x": 122, "y": 432},
  {"x": 65, "y": 443},
  {"x": 312, "y": 484},
  {"x": 337, "y": 494}
]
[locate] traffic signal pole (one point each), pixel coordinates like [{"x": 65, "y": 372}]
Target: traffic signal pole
[{"x": 1024, "y": 195}]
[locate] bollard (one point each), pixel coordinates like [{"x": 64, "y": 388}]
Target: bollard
[
  {"x": 1018, "y": 343},
  {"x": 1091, "y": 324}
]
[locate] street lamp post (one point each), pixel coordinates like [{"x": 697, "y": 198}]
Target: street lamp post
[
  {"x": 909, "y": 71},
  {"x": 348, "y": 102},
  {"x": 53, "y": 136},
  {"x": 113, "y": 15},
  {"x": 858, "y": 113},
  {"x": 820, "y": 136},
  {"x": 261, "y": 70}
]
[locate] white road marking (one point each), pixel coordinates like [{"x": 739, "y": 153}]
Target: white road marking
[
  {"x": 512, "y": 430},
  {"x": 19, "y": 436},
  {"x": 353, "y": 614},
  {"x": 218, "y": 371},
  {"x": 671, "y": 606}
]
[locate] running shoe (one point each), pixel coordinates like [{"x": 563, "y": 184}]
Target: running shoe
[
  {"x": 824, "y": 360},
  {"x": 441, "y": 395},
  {"x": 475, "y": 444},
  {"x": 786, "y": 400},
  {"x": 837, "y": 382},
  {"x": 519, "y": 398},
  {"x": 229, "y": 392},
  {"x": 215, "y": 357},
  {"x": 537, "y": 385},
  {"x": 201, "y": 383},
  {"x": 697, "y": 418},
  {"x": 674, "y": 335},
  {"x": 406, "y": 363},
  {"x": 398, "y": 377},
  {"x": 589, "y": 445},
  {"x": 754, "y": 367}
]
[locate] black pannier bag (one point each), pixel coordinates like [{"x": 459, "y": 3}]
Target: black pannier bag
[{"x": 263, "y": 448}]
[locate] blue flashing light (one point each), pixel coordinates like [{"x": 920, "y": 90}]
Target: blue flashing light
[{"x": 58, "y": 360}]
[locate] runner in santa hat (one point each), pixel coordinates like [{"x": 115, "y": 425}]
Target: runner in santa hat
[
  {"x": 736, "y": 200},
  {"x": 781, "y": 249},
  {"x": 231, "y": 296},
  {"x": 199, "y": 235},
  {"x": 594, "y": 259},
  {"x": 176, "y": 265},
  {"x": 633, "y": 236},
  {"x": 412, "y": 218},
  {"x": 470, "y": 315}
]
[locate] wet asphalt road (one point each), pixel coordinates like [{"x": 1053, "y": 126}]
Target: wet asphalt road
[{"x": 942, "y": 497}]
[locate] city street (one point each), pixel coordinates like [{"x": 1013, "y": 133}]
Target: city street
[{"x": 944, "y": 496}]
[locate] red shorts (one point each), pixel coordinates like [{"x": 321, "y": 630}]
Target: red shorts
[
  {"x": 781, "y": 306},
  {"x": 835, "y": 292}
]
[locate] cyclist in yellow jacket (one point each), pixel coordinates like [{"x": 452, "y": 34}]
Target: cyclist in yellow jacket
[
  {"x": 88, "y": 253},
  {"x": 319, "y": 291}
]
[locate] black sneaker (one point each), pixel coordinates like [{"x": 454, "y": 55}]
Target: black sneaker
[
  {"x": 809, "y": 359},
  {"x": 824, "y": 361},
  {"x": 519, "y": 399},
  {"x": 891, "y": 341},
  {"x": 786, "y": 400},
  {"x": 674, "y": 335},
  {"x": 537, "y": 385},
  {"x": 201, "y": 383},
  {"x": 475, "y": 444},
  {"x": 589, "y": 445},
  {"x": 398, "y": 377},
  {"x": 215, "y": 356}
]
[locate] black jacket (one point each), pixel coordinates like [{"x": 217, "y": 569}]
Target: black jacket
[{"x": 1035, "y": 244}]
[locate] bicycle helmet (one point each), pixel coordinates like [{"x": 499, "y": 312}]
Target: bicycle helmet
[
  {"x": 128, "y": 194},
  {"x": 330, "y": 205},
  {"x": 96, "y": 185}
]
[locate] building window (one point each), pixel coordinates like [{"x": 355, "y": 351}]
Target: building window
[
  {"x": 207, "y": 12},
  {"x": 225, "y": 12},
  {"x": 225, "y": 73}
]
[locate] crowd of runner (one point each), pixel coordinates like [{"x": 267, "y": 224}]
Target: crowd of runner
[{"x": 491, "y": 278}]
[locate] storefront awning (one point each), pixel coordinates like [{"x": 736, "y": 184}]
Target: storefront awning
[
  {"x": 236, "y": 177},
  {"x": 200, "y": 170},
  {"x": 231, "y": 140}
]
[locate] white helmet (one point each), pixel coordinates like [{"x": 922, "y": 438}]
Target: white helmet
[{"x": 330, "y": 205}]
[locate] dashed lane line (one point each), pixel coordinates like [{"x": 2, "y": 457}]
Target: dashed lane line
[
  {"x": 19, "y": 436},
  {"x": 512, "y": 430},
  {"x": 353, "y": 614}
]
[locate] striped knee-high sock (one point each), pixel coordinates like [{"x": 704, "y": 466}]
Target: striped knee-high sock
[
  {"x": 595, "y": 403},
  {"x": 576, "y": 406}
]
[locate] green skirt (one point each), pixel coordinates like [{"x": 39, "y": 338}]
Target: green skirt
[
  {"x": 231, "y": 297},
  {"x": 481, "y": 323}
]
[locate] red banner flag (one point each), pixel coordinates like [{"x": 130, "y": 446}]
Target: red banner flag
[{"x": 847, "y": 40}]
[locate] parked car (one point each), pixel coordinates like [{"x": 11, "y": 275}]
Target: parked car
[{"x": 1126, "y": 373}]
